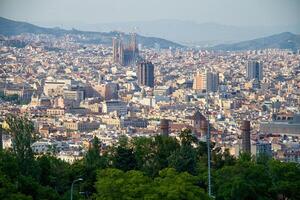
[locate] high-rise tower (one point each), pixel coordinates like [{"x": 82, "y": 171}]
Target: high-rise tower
[
  {"x": 254, "y": 70},
  {"x": 145, "y": 73},
  {"x": 208, "y": 81}
]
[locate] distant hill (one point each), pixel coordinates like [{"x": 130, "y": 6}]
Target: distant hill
[
  {"x": 10, "y": 27},
  {"x": 285, "y": 40},
  {"x": 190, "y": 32}
]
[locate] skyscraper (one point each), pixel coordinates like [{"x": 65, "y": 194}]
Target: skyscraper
[
  {"x": 199, "y": 81},
  {"x": 208, "y": 81},
  {"x": 212, "y": 82},
  {"x": 145, "y": 73},
  {"x": 254, "y": 70}
]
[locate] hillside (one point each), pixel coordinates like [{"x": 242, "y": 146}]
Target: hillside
[
  {"x": 10, "y": 28},
  {"x": 285, "y": 40},
  {"x": 190, "y": 32}
]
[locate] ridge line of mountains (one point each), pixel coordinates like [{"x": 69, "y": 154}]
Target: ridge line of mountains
[
  {"x": 285, "y": 40},
  {"x": 10, "y": 28}
]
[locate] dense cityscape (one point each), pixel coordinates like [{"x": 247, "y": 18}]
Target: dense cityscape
[
  {"x": 127, "y": 120},
  {"x": 82, "y": 91}
]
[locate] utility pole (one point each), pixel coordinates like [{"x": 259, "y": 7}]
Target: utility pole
[
  {"x": 1, "y": 142},
  {"x": 208, "y": 146}
]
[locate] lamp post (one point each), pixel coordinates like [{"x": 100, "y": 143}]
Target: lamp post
[
  {"x": 208, "y": 146},
  {"x": 208, "y": 157},
  {"x": 1, "y": 143},
  {"x": 77, "y": 180}
]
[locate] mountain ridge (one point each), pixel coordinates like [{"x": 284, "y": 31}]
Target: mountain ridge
[
  {"x": 191, "y": 32},
  {"x": 10, "y": 28},
  {"x": 284, "y": 40}
]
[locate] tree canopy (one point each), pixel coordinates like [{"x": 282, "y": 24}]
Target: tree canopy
[{"x": 159, "y": 167}]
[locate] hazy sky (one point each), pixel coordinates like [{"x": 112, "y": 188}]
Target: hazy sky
[{"x": 229, "y": 12}]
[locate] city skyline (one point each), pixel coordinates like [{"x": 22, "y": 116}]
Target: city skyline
[{"x": 165, "y": 110}]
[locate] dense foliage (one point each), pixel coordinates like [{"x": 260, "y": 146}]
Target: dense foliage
[{"x": 160, "y": 167}]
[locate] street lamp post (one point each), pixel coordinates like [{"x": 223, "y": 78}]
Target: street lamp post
[
  {"x": 77, "y": 180},
  {"x": 1, "y": 143},
  {"x": 208, "y": 145},
  {"x": 208, "y": 157}
]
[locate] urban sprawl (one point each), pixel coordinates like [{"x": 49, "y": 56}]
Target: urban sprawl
[{"x": 73, "y": 92}]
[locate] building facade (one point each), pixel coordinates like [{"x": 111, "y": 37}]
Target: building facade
[
  {"x": 208, "y": 81},
  {"x": 145, "y": 74},
  {"x": 125, "y": 54},
  {"x": 254, "y": 70},
  {"x": 114, "y": 106}
]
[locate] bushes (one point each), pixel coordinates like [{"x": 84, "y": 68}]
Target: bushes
[
  {"x": 115, "y": 184},
  {"x": 160, "y": 167}
]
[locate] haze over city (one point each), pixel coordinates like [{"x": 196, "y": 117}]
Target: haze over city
[
  {"x": 228, "y": 12},
  {"x": 234, "y": 20}
]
